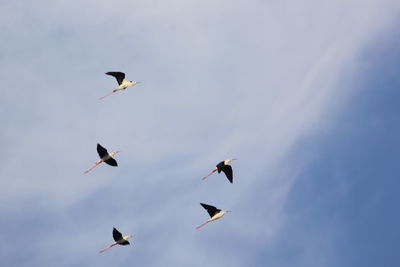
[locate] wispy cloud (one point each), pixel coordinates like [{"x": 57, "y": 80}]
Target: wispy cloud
[{"x": 220, "y": 79}]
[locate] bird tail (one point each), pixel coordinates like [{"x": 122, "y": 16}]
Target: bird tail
[
  {"x": 201, "y": 225},
  {"x": 205, "y": 177},
  {"x": 110, "y": 93},
  {"x": 91, "y": 168},
  {"x": 104, "y": 249}
]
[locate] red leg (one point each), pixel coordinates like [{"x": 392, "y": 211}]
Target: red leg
[
  {"x": 91, "y": 168},
  {"x": 205, "y": 177},
  {"x": 113, "y": 91},
  {"x": 201, "y": 225},
  {"x": 110, "y": 246}
]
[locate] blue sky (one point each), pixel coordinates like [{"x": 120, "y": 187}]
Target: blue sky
[
  {"x": 304, "y": 94},
  {"x": 342, "y": 207}
]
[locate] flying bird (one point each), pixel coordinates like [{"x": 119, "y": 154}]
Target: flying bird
[
  {"x": 224, "y": 167},
  {"x": 215, "y": 214},
  {"x": 104, "y": 157},
  {"x": 123, "y": 84},
  {"x": 118, "y": 240}
]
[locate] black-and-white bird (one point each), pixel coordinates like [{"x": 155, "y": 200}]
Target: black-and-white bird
[
  {"x": 214, "y": 213},
  {"x": 118, "y": 240},
  {"x": 104, "y": 157},
  {"x": 122, "y": 83},
  {"x": 224, "y": 167}
]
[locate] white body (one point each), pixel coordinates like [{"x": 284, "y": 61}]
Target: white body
[
  {"x": 124, "y": 238},
  {"x": 213, "y": 218},
  {"x": 122, "y": 83},
  {"x": 125, "y": 84},
  {"x": 120, "y": 241},
  {"x": 217, "y": 216}
]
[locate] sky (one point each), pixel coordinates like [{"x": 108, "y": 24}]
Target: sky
[{"x": 303, "y": 93}]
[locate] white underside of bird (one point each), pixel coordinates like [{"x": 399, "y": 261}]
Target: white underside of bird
[
  {"x": 103, "y": 159},
  {"x": 125, "y": 84},
  {"x": 121, "y": 241},
  {"x": 217, "y": 216},
  {"x": 213, "y": 218}
]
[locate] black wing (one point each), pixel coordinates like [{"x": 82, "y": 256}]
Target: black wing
[
  {"x": 116, "y": 235},
  {"x": 126, "y": 242},
  {"x": 120, "y": 76},
  {"x": 220, "y": 166},
  {"x": 227, "y": 169},
  {"x": 210, "y": 209},
  {"x": 101, "y": 150},
  {"x": 111, "y": 162}
]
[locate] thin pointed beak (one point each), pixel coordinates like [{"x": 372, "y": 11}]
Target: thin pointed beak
[{"x": 234, "y": 159}]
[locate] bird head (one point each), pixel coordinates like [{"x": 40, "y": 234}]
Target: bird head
[
  {"x": 227, "y": 161},
  {"x": 127, "y": 237},
  {"x": 224, "y": 212},
  {"x": 112, "y": 154},
  {"x": 134, "y": 82}
]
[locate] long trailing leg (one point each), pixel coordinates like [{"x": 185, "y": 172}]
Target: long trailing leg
[
  {"x": 214, "y": 170},
  {"x": 91, "y": 168},
  {"x": 110, "y": 246},
  {"x": 110, "y": 93},
  {"x": 201, "y": 225}
]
